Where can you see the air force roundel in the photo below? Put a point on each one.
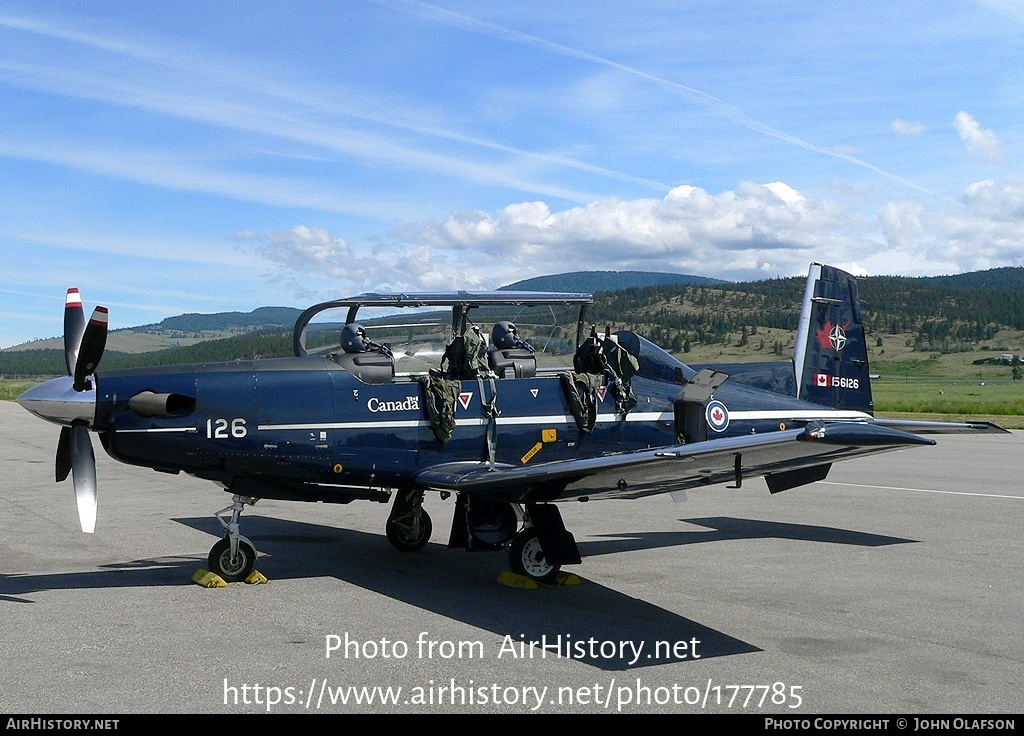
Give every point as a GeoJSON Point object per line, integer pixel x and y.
{"type": "Point", "coordinates": [717, 416]}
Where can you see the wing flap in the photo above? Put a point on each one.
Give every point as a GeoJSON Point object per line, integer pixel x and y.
{"type": "Point", "coordinates": [668, 469]}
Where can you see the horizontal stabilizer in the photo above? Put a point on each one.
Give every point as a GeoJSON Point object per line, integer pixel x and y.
{"type": "Point", "coordinates": [911, 425]}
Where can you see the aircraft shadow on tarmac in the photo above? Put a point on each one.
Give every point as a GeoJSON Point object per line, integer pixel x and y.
{"type": "Point", "coordinates": [725, 528]}
{"type": "Point", "coordinates": [462, 586]}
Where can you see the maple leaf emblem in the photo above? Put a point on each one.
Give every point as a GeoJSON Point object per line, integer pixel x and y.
{"type": "Point", "coordinates": [832, 336]}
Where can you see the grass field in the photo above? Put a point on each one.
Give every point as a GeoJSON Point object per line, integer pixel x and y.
{"type": "Point", "coordinates": [950, 397]}
{"type": "Point", "coordinates": [10, 390]}
{"type": "Point", "coordinates": [947, 400]}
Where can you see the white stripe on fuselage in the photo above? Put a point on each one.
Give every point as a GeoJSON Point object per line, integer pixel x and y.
{"type": "Point", "coordinates": [159, 429]}
{"type": "Point", "coordinates": [549, 419]}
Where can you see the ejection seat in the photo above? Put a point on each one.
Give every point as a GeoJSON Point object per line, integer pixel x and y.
{"type": "Point", "coordinates": [364, 359]}
{"type": "Point", "coordinates": [510, 353]}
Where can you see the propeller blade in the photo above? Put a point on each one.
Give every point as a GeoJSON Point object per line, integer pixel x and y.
{"type": "Point", "coordinates": [83, 464]}
{"type": "Point", "coordinates": [74, 327]}
{"type": "Point", "coordinates": [93, 342]}
{"type": "Point", "coordinates": [63, 464]}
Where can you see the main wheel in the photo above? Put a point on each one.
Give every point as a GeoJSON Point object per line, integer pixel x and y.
{"type": "Point", "coordinates": [232, 570]}
{"type": "Point", "coordinates": [406, 532]}
{"type": "Point", "coordinates": [526, 557]}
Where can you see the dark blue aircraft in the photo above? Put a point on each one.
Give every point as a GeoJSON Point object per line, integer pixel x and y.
{"type": "Point", "coordinates": [385, 408]}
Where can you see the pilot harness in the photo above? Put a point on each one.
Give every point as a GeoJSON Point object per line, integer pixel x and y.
{"type": "Point", "coordinates": [596, 360]}
{"type": "Point", "coordinates": [464, 359]}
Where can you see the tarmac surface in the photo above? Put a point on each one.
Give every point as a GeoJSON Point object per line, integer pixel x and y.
{"type": "Point", "coordinates": [897, 586]}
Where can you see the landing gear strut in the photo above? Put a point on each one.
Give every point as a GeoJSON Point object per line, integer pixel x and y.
{"type": "Point", "coordinates": [233, 557]}
{"type": "Point", "coordinates": [408, 528]}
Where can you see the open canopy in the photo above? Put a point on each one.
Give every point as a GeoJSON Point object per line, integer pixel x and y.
{"type": "Point", "coordinates": [460, 302]}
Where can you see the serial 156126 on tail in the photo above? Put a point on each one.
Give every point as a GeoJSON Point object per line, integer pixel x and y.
{"type": "Point", "coordinates": [390, 396]}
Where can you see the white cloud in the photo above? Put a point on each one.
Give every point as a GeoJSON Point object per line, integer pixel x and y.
{"type": "Point", "coordinates": [981, 141]}
{"type": "Point", "coordinates": [740, 233]}
{"type": "Point", "coordinates": [983, 230]}
{"type": "Point", "coordinates": [785, 192]}
{"type": "Point", "coordinates": [754, 231]}
{"type": "Point", "coordinates": [302, 248]}
{"type": "Point", "coordinates": [907, 127]}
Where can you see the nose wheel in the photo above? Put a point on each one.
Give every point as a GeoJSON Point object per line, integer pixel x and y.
{"type": "Point", "coordinates": [233, 557]}
{"type": "Point", "coordinates": [526, 557]}
{"type": "Point", "coordinates": [233, 568]}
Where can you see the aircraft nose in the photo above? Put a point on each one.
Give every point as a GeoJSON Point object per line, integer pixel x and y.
{"type": "Point", "coordinates": [57, 401]}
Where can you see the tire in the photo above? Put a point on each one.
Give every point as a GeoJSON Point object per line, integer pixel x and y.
{"type": "Point", "coordinates": [232, 571]}
{"type": "Point", "coordinates": [526, 557]}
{"type": "Point", "coordinates": [405, 535]}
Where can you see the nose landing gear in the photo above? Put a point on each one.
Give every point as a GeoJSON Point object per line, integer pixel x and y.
{"type": "Point", "coordinates": [233, 557]}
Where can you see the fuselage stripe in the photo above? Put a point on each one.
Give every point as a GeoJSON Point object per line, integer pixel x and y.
{"type": "Point", "coordinates": [159, 429]}
{"type": "Point", "coordinates": [648, 416]}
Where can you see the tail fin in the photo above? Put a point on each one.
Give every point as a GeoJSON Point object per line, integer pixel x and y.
{"type": "Point", "coordinates": [831, 357]}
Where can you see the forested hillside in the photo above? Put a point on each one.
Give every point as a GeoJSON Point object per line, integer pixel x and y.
{"type": "Point", "coordinates": [262, 344]}
{"type": "Point", "coordinates": [941, 314]}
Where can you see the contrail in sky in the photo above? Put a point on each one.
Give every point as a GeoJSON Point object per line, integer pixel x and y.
{"type": "Point", "coordinates": [240, 75]}
{"type": "Point", "coordinates": [725, 109]}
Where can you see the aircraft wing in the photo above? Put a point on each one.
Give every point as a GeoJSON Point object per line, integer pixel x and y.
{"type": "Point", "coordinates": [788, 459]}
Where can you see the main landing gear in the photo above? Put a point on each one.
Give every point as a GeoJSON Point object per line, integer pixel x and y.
{"type": "Point", "coordinates": [543, 545]}
{"type": "Point", "coordinates": [537, 551]}
{"type": "Point", "coordinates": [233, 557]}
{"type": "Point", "coordinates": [532, 534]}
{"type": "Point", "coordinates": [526, 557]}
{"type": "Point", "coordinates": [408, 527]}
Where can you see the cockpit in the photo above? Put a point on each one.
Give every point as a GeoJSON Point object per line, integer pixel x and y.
{"type": "Point", "coordinates": [381, 338]}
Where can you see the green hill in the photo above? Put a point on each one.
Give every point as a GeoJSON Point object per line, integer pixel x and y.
{"type": "Point", "coordinates": [272, 343]}
{"type": "Point", "coordinates": [260, 318]}
{"type": "Point", "coordinates": [591, 281]}
{"type": "Point", "coordinates": [1006, 278]}
{"type": "Point", "coordinates": [907, 318]}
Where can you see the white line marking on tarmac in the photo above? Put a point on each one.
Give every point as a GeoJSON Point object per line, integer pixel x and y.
{"type": "Point", "coordinates": [921, 490]}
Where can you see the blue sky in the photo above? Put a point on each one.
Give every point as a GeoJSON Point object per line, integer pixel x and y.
{"type": "Point", "coordinates": [217, 156]}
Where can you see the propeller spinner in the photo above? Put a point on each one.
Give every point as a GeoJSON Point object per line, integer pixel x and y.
{"type": "Point", "coordinates": [71, 402]}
